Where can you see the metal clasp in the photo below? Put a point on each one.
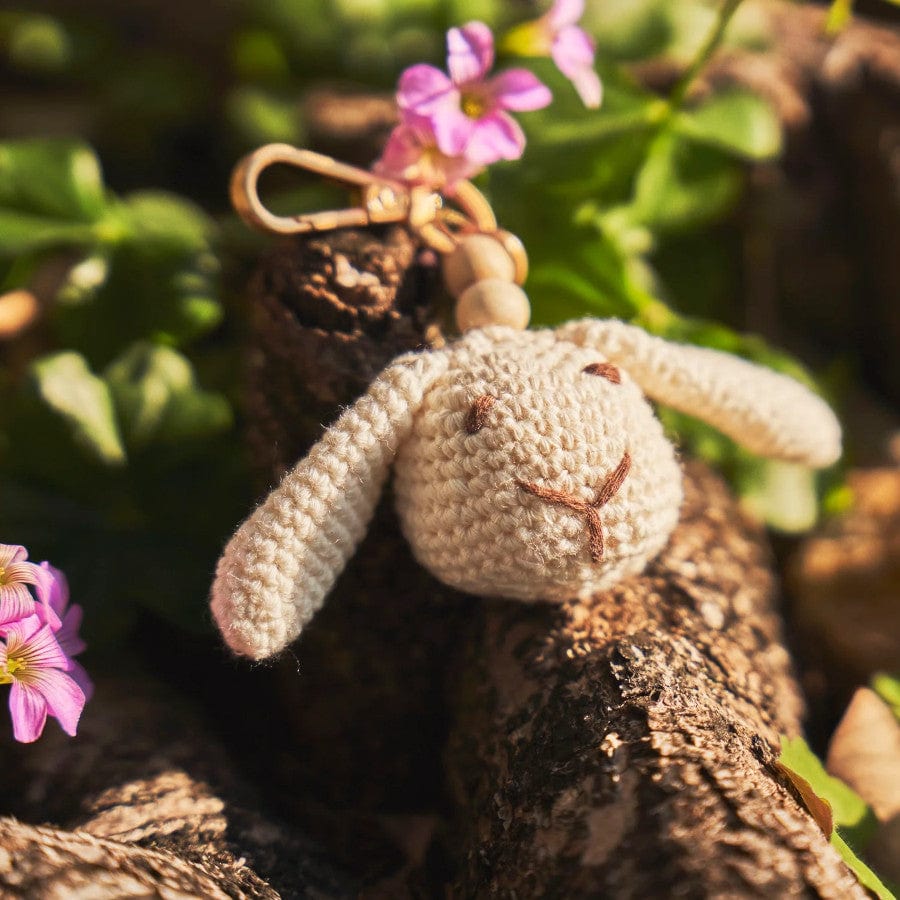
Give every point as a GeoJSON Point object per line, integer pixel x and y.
{"type": "Point", "coordinates": [382, 200]}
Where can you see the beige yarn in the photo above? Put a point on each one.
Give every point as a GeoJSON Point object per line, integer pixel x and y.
{"type": "Point", "coordinates": [278, 567]}
{"type": "Point", "coordinates": [506, 443]}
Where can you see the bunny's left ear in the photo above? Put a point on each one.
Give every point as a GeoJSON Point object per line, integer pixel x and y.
{"type": "Point", "coordinates": [768, 413]}
{"type": "Point", "coordinates": [281, 563]}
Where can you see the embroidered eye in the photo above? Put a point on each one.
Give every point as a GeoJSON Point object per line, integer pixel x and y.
{"type": "Point", "coordinates": [604, 370]}
{"type": "Point", "coordinates": [477, 415]}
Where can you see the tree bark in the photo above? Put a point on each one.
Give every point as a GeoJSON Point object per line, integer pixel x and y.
{"type": "Point", "coordinates": [363, 687]}
{"type": "Point", "coordinates": [145, 803]}
{"type": "Point", "coordinates": [623, 747]}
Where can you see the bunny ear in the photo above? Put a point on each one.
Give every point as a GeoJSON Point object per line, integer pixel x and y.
{"type": "Point", "coordinates": [768, 413]}
{"type": "Point", "coordinates": [278, 567]}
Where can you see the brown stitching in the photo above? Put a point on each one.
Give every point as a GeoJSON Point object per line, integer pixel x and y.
{"type": "Point", "coordinates": [477, 414]}
{"type": "Point", "coordinates": [605, 370]}
{"type": "Point", "coordinates": [589, 510]}
{"type": "Point", "coordinates": [595, 533]}
{"type": "Point", "coordinates": [613, 482]}
{"type": "Point", "coordinates": [553, 496]}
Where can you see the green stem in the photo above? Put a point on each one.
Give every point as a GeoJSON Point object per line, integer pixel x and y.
{"type": "Point", "coordinates": [671, 106]}
{"type": "Point", "coordinates": [710, 45]}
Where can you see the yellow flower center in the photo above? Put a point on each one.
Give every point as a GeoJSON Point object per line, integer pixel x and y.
{"type": "Point", "coordinates": [13, 664]}
{"type": "Point", "coordinates": [472, 105]}
{"type": "Point", "coordinates": [2, 575]}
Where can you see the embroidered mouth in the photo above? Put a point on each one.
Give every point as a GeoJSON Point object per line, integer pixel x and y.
{"type": "Point", "coordinates": [588, 509]}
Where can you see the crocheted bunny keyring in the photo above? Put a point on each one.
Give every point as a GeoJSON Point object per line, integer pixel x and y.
{"type": "Point", "coordinates": [527, 465]}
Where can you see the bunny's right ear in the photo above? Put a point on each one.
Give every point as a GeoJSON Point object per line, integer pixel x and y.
{"type": "Point", "coordinates": [766, 412]}
{"type": "Point", "coordinates": [278, 567]}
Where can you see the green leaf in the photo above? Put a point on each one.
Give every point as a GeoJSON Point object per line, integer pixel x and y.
{"type": "Point", "coordinates": [24, 232]}
{"type": "Point", "coordinates": [851, 813]}
{"type": "Point", "coordinates": [783, 496]}
{"type": "Point", "coordinates": [853, 819]}
{"type": "Point", "coordinates": [738, 122]}
{"type": "Point", "coordinates": [38, 44]}
{"type": "Point", "coordinates": [158, 400]}
{"type": "Point", "coordinates": [888, 688]}
{"type": "Point", "coordinates": [867, 878]}
{"type": "Point", "coordinates": [586, 273]}
{"type": "Point", "coordinates": [260, 117]}
{"type": "Point", "coordinates": [683, 186]}
{"type": "Point", "coordinates": [52, 178]}
{"type": "Point", "coordinates": [158, 282]}
{"type": "Point", "coordinates": [82, 401]}
{"type": "Point", "coordinates": [162, 219]}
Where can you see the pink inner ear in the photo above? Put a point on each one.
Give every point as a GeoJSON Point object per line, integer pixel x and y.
{"type": "Point", "coordinates": [605, 370]}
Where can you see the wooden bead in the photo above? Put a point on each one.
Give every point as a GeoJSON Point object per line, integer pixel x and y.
{"type": "Point", "coordinates": [492, 302]}
{"type": "Point", "coordinates": [477, 257]}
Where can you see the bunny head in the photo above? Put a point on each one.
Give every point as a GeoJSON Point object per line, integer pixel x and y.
{"type": "Point", "coordinates": [528, 465]}
{"type": "Point", "coordinates": [535, 470]}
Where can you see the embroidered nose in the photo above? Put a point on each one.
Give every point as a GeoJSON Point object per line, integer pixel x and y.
{"type": "Point", "coordinates": [608, 490]}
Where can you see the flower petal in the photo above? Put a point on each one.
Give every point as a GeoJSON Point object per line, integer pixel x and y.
{"type": "Point", "coordinates": [497, 136]}
{"type": "Point", "coordinates": [400, 151]}
{"type": "Point", "coordinates": [22, 572]}
{"type": "Point", "coordinates": [470, 52]}
{"type": "Point", "coordinates": [53, 588]}
{"type": "Point", "coordinates": [572, 50]}
{"type": "Point", "coordinates": [410, 154]}
{"type": "Point", "coordinates": [453, 130]}
{"type": "Point", "coordinates": [77, 673]}
{"type": "Point", "coordinates": [15, 603]}
{"type": "Point", "coordinates": [519, 90]}
{"type": "Point", "coordinates": [34, 642]}
{"type": "Point", "coordinates": [53, 594]}
{"type": "Point", "coordinates": [10, 553]}
{"type": "Point", "coordinates": [28, 711]}
{"type": "Point", "coordinates": [21, 631]}
{"type": "Point", "coordinates": [422, 89]}
{"type": "Point", "coordinates": [573, 53]}
{"type": "Point", "coordinates": [67, 634]}
{"type": "Point", "coordinates": [590, 89]}
{"type": "Point", "coordinates": [564, 12]}
{"type": "Point", "coordinates": [64, 699]}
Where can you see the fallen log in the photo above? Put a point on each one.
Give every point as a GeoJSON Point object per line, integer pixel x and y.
{"type": "Point", "coordinates": [145, 803]}
{"type": "Point", "coordinates": [624, 746]}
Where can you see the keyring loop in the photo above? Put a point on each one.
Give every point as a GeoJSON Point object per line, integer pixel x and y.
{"type": "Point", "coordinates": [428, 213]}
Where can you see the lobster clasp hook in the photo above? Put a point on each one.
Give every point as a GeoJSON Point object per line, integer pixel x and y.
{"type": "Point", "coordinates": [381, 199]}
{"type": "Point", "coordinates": [437, 220]}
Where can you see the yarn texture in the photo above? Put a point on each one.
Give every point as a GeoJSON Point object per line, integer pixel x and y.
{"type": "Point", "coordinates": [529, 465]}
{"type": "Point", "coordinates": [459, 495]}
{"type": "Point", "coordinates": [277, 569]}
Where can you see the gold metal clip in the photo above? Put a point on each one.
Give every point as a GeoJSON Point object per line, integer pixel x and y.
{"type": "Point", "coordinates": [382, 200]}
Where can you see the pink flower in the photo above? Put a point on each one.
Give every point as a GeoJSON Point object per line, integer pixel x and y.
{"type": "Point", "coordinates": [555, 34]}
{"type": "Point", "coordinates": [35, 664]}
{"type": "Point", "coordinates": [16, 601]}
{"type": "Point", "coordinates": [411, 154]}
{"type": "Point", "coordinates": [469, 114]}
{"type": "Point", "coordinates": [54, 593]}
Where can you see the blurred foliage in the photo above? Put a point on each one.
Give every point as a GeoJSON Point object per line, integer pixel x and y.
{"type": "Point", "coordinates": [113, 458]}
{"type": "Point", "coordinates": [841, 11]}
{"type": "Point", "coordinates": [888, 688]}
{"type": "Point", "coordinates": [854, 821]}
{"type": "Point", "coordinates": [118, 445]}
